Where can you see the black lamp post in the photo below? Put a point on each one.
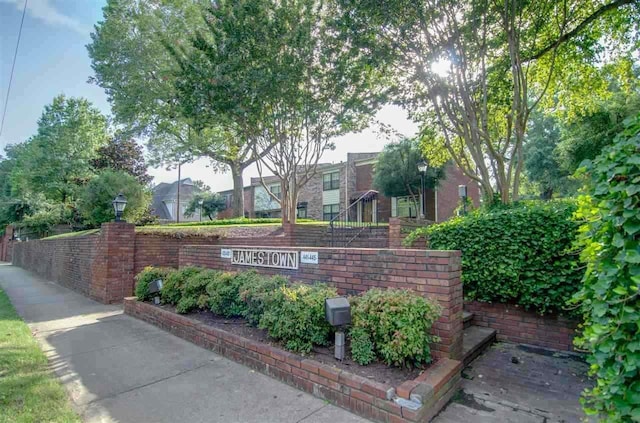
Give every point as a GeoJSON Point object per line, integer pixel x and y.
{"type": "Point", "coordinates": [119, 203]}
{"type": "Point", "coordinates": [422, 168]}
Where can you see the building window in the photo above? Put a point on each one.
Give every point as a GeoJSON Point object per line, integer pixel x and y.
{"type": "Point", "coordinates": [331, 181]}
{"type": "Point", "coordinates": [406, 207]}
{"type": "Point", "coordinates": [228, 200]}
{"type": "Point", "coordinates": [276, 190]}
{"type": "Point", "coordinates": [302, 210]}
{"type": "Point", "coordinates": [330, 211]}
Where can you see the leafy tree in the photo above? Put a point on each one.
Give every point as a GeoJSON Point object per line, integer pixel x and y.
{"type": "Point", "coordinates": [474, 71]}
{"type": "Point", "coordinates": [276, 77]}
{"type": "Point", "coordinates": [125, 155]}
{"type": "Point", "coordinates": [585, 135]}
{"type": "Point", "coordinates": [56, 161]}
{"type": "Point", "coordinates": [212, 203]}
{"type": "Point", "coordinates": [95, 201]}
{"type": "Point", "coordinates": [610, 297]}
{"type": "Point", "coordinates": [129, 57]}
{"type": "Point", "coordinates": [540, 161]}
{"type": "Point", "coordinates": [396, 172]}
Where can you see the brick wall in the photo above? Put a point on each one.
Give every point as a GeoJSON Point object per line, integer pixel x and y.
{"type": "Point", "coordinates": [448, 199]}
{"type": "Point", "coordinates": [514, 324]}
{"type": "Point", "coordinates": [400, 228]}
{"type": "Point", "coordinates": [67, 261]}
{"type": "Point", "coordinates": [373, 400]}
{"type": "Point", "coordinates": [434, 274]}
{"type": "Point", "coordinates": [320, 236]}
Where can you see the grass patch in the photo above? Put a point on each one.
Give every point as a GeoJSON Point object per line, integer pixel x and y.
{"type": "Point", "coordinates": [74, 234]}
{"type": "Point", "coordinates": [28, 391]}
{"type": "Point", "coordinates": [227, 222]}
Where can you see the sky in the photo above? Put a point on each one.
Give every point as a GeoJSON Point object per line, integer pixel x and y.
{"type": "Point", "coordinates": [52, 59]}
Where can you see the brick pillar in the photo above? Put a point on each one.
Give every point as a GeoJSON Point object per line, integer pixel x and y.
{"type": "Point", "coordinates": [450, 295]}
{"type": "Point", "coordinates": [395, 235]}
{"type": "Point", "coordinates": [112, 270]}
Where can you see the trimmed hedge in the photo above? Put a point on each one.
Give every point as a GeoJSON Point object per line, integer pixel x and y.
{"type": "Point", "coordinates": [295, 316]}
{"type": "Point", "coordinates": [171, 291]}
{"type": "Point", "coordinates": [523, 254]}
{"type": "Point", "coordinates": [145, 277]}
{"type": "Point", "coordinates": [195, 291]}
{"type": "Point", "coordinates": [393, 324]}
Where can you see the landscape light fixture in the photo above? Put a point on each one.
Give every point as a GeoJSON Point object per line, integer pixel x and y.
{"type": "Point", "coordinates": [422, 168]}
{"type": "Point", "coordinates": [462, 193]}
{"type": "Point", "coordinates": [337, 311]}
{"type": "Point", "coordinates": [119, 204]}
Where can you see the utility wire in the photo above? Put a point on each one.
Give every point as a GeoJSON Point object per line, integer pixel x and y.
{"type": "Point", "coordinates": [13, 66]}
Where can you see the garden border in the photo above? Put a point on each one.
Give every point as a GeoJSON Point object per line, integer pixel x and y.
{"type": "Point", "coordinates": [414, 400]}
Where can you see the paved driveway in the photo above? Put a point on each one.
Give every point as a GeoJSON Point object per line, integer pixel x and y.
{"type": "Point", "coordinates": [119, 369]}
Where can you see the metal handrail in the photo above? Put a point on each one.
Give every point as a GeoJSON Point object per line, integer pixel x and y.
{"type": "Point", "coordinates": [342, 219]}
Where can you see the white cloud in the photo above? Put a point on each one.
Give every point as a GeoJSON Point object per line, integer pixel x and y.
{"type": "Point", "coordinates": [46, 12]}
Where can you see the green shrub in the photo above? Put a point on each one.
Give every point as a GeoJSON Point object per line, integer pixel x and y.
{"type": "Point", "coordinates": [145, 277]}
{"type": "Point", "coordinates": [256, 293]}
{"type": "Point", "coordinates": [171, 291]}
{"type": "Point", "coordinates": [194, 291]}
{"type": "Point", "coordinates": [398, 324]}
{"type": "Point", "coordinates": [362, 348]}
{"type": "Point", "coordinates": [295, 315]}
{"type": "Point", "coordinates": [610, 296]}
{"type": "Point", "coordinates": [224, 292]}
{"type": "Point", "coordinates": [521, 254]}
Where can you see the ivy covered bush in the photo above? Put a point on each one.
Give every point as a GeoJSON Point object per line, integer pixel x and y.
{"type": "Point", "coordinates": [610, 297]}
{"type": "Point", "coordinates": [394, 325]}
{"type": "Point", "coordinates": [295, 316]}
{"type": "Point", "coordinates": [522, 254]}
{"type": "Point", "coordinates": [145, 277]}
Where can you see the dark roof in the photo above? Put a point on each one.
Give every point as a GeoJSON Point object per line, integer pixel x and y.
{"type": "Point", "coordinates": [164, 191]}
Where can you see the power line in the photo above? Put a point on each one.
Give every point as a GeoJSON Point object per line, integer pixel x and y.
{"type": "Point", "coordinates": [13, 66]}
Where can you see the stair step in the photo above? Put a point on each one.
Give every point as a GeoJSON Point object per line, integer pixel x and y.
{"type": "Point", "coordinates": [467, 317]}
{"type": "Point", "coordinates": [476, 339]}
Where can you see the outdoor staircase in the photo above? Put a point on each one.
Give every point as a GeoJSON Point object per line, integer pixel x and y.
{"type": "Point", "coordinates": [475, 339]}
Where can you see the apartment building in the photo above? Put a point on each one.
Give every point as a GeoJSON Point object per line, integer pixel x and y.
{"type": "Point", "coordinates": [337, 186]}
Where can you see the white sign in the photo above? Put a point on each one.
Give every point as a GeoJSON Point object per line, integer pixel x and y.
{"type": "Point", "coordinates": [264, 258]}
{"type": "Point", "coordinates": [309, 257]}
{"type": "Point", "coordinates": [226, 253]}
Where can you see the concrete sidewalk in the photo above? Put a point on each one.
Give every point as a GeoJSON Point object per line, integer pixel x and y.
{"type": "Point", "coordinates": [119, 369]}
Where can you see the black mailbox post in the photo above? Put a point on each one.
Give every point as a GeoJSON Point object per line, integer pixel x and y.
{"type": "Point", "coordinates": [337, 311]}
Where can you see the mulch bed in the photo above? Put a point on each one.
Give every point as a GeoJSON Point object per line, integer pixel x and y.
{"type": "Point", "coordinates": [376, 371]}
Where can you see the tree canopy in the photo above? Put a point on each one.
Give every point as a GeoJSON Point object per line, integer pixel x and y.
{"type": "Point", "coordinates": [396, 172]}
{"type": "Point", "coordinates": [277, 78]}
{"type": "Point", "coordinates": [473, 72]}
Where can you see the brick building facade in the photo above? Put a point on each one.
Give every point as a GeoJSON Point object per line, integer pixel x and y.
{"type": "Point", "coordinates": [336, 186]}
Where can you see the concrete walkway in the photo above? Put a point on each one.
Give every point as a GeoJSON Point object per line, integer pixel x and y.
{"type": "Point", "coordinates": [119, 369]}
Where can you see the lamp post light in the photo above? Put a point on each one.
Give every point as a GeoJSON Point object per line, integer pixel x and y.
{"type": "Point", "coordinates": [422, 168]}
{"type": "Point", "coordinates": [200, 203]}
{"type": "Point", "coordinates": [119, 203]}
{"type": "Point", "coordinates": [462, 193]}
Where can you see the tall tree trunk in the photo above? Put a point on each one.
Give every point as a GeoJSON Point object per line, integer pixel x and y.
{"type": "Point", "coordinates": [238, 190]}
